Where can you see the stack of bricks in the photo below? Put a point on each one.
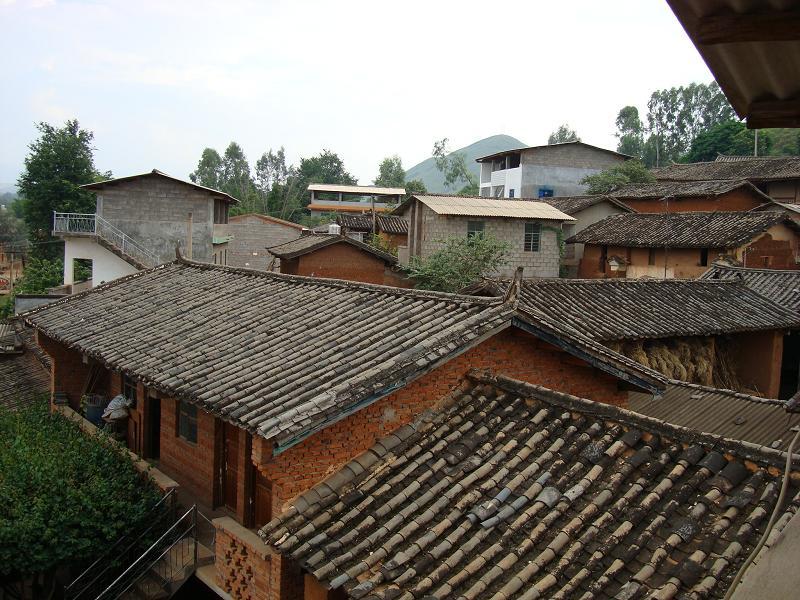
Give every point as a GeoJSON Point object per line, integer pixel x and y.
{"type": "Point", "coordinates": [243, 561]}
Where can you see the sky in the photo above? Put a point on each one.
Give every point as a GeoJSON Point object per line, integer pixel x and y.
{"type": "Point", "coordinates": [158, 81]}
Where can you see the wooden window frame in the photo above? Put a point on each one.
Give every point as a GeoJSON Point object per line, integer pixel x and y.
{"type": "Point", "coordinates": [475, 227]}
{"type": "Point", "coordinates": [183, 415]}
{"type": "Point", "coordinates": [532, 239]}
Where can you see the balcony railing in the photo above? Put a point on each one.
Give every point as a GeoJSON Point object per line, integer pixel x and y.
{"type": "Point", "coordinates": [92, 224]}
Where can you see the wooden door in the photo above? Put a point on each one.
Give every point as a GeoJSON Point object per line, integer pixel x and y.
{"type": "Point", "coordinates": [230, 481]}
{"type": "Point", "coordinates": [152, 431]}
{"type": "Point", "coordinates": [262, 500]}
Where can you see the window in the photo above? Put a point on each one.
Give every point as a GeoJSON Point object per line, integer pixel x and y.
{"type": "Point", "coordinates": [220, 211]}
{"type": "Point", "coordinates": [704, 257]}
{"type": "Point", "coordinates": [511, 192]}
{"type": "Point", "coordinates": [129, 389]}
{"type": "Point", "coordinates": [533, 233]}
{"type": "Point", "coordinates": [475, 228]}
{"type": "Point", "coordinates": [651, 256]}
{"type": "Point", "coordinates": [513, 161]}
{"type": "Point", "coordinates": [187, 421]}
{"type": "Point", "coordinates": [545, 192]}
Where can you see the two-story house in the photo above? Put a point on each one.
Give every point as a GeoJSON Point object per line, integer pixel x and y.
{"type": "Point", "coordinates": [543, 171]}
{"type": "Point", "coordinates": [139, 220]}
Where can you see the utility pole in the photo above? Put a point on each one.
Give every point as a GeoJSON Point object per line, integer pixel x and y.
{"type": "Point", "coordinates": [372, 202]}
{"type": "Point", "coordinates": [755, 145]}
{"type": "Point", "coordinates": [666, 237]}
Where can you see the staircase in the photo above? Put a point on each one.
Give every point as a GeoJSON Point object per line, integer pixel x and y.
{"type": "Point", "coordinates": [107, 235]}
{"type": "Point", "coordinates": [147, 564]}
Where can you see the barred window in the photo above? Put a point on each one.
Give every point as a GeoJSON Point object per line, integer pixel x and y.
{"type": "Point", "coordinates": [533, 234]}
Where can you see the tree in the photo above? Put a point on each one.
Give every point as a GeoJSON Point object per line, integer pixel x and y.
{"type": "Point", "coordinates": [562, 135]}
{"type": "Point", "coordinates": [459, 262]}
{"type": "Point", "coordinates": [65, 496]}
{"type": "Point", "coordinates": [630, 132]}
{"type": "Point", "coordinates": [728, 137]}
{"type": "Point", "coordinates": [677, 115]}
{"type": "Point", "coordinates": [630, 171]}
{"type": "Point", "coordinates": [59, 161]}
{"type": "Point", "coordinates": [236, 179]}
{"type": "Point", "coordinates": [415, 186]}
{"type": "Point", "coordinates": [327, 167]}
{"type": "Point", "coordinates": [453, 165]}
{"type": "Point", "coordinates": [40, 275]}
{"type": "Point", "coordinates": [391, 172]}
{"type": "Point", "coordinates": [12, 229]}
{"type": "Point", "coordinates": [209, 170]}
{"type": "Point", "coordinates": [271, 174]}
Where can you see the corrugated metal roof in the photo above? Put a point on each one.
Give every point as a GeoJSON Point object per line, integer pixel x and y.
{"type": "Point", "coordinates": [721, 412]}
{"type": "Point", "coordinates": [493, 207]}
{"type": "Point", "coordinates": [550, 146]}
{"type": "Point", "coordinates": [366, 190]}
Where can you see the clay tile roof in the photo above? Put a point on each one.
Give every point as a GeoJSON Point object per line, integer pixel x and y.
{"type": "Point", "coordinates": [24, 368]}
{"type": "Point", "coordinates": [729, 167]}
{"type": "Point", "coordinates": [761, 421]}
{"type": "Point", "coordinates": [680, 230]}
{"type": "Point", "coordinates": [619, 309]}
{"type": "Point", "coordinates": [684, 189]}
{"type": "Point", "coordinates": [284, 356]}
{"type": "Point", "coordinates": [384, 223]}
{"type": "Point", "coordinates": [519, 492]}
{"type": "Point", "coordinates": [782, 287]}
{"type": "Point", "coordinates": [571, 205]}
{"type": "Point", "coordinates": [311, 243]}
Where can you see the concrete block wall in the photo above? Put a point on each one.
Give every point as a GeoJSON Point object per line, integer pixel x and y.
{"type": "Point", "coordinates": [543, 263]}
{"type": "Point", "coordinates": [252, 234]}
{"type": "Point", "coordinates": [562, 167]}
{"type": "Point", "coordinates": [155, 212]}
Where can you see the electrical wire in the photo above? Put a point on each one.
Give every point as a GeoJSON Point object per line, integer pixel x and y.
{"type": "Point", "coordinates": [772, 519]}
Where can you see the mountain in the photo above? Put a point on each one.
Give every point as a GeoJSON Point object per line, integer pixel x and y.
{"type": "Point", "coordinates": [433, 178]}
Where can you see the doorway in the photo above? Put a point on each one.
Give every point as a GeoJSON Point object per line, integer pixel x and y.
{"type": "Point", "coordinates": [152, 428]}
{"type": "Point", "coordinates": [230, 465]}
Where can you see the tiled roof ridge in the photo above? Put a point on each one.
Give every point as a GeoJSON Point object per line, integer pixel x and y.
{"type": "Point", "coordinates": [717, 265]}
{"type": "Point", "coordinates": [325, 239]}
{"type": "Point", "coordinates": [741, 449]}
{"type": "Point", "coordinates": [269, 218]}
{"type": "Point", "coordinates": [727, 392]}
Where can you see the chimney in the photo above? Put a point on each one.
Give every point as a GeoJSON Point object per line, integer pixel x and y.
{"type": "Point", "coordinates": [334, 229]}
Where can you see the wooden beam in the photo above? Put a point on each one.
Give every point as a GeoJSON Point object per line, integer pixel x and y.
{"type": "Point", "coordinates": [776, 26]}
{"type": "Point", "coordinates": [774, 113]}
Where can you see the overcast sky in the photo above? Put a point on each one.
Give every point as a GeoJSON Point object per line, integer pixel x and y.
{"type": "Point", "coordinates": [159, 81]}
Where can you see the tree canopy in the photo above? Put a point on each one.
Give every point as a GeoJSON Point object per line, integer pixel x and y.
{"type": "Point", "coordinates": [59, 161]}
{"type": "Point", "coordinates": [453, 165]}
{"type": "Point", "coordinates": [459, 262]}
{"type": "Point", "coordinates": [562, 135]}
{"type": "Point", "coordinates": [630, 171]}
{"type": "Point", "coordinates": [391, 172]}
{"type": "Point", "coordinates": [734, 138]}
{"type": "Point", "coordinates": [630, 132]}
{"type": "Point", "coordinates": [64, 495]}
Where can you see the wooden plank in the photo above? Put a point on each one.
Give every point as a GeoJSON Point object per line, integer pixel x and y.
{"type": "Point", "coordinates": [733, 28]}
{"type": "Point", "coordinates": [774, 113]}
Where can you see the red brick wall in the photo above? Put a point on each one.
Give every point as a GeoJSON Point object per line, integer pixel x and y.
{"type": "Point", "coordinates": [735, 200]}
{"type": "Point", "coordinates": [192, 465]}
{"type": "Point", "coordinates": [769, 253]}
{"type": "Point", "coordinates": [342, 261]}
{"type": "Point", "coordinates": [512, 352]}
{"type": "Point", "coordinates": [68, 373]}
{"type": "Point", "coordinates": [243, 566]}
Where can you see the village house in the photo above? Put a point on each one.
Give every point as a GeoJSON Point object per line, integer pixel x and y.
{"type": "Point", "coordinates": [137, 223]}
{"type": "Point", "coordinates": [338, 256]}
{"type": "Point", "coordinates": [329, 198]}
{"type": "Point", "coordinates": [586, 210]}
{"type": "Point", "coordinates": [24, 368]}
{"type": "Point", "coordinates": [532, 229]}
{"type": "Point", "coordinates": [543, 171]}
{"type": "Point", "coordinates": [717, 333]}
{"type": "Point", "coordinates": [688, 196]}
{"type": "Point", "coordinates": [254, 386]}
{"type": "Point", "coordinates": [778, 177]}
{"type": "Point", "coordinates": [516, 491]}
{"type": "Point", "coordinates": [391, 229]}
{"type": "Point", "coordinates": [252, 233]}
{"type": "Point", "coordinates": [780, 286]}
{"type": "Point", "coordinates": [683, 245]}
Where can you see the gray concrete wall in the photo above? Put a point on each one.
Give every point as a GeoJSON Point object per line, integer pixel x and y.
{"type": "Point", "coordinates": [251, 236]}
{"type": "Point", "coordinates": [544, 263]}
{"type": "Point", "coordinates": [562, 168]}
{"type": "Point", "coordinates": [26, 302]}
{"type": "Point", "coordinates": [155, 212]}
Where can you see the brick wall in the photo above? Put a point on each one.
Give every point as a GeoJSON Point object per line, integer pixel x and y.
{"type": "Point", "coordinates": [682, 263]}
{"type": "Point", "coordinates": [242, 560]}
{"type": "Point", "coordinates": [68, 372]}
{"type": "Point", "coordinates": [543, 263]}
{"type": "Point", "coordinates": [191, 464]}
{"type": "Point", "coordinates": [770, 253]}
{"type": "Point", "coordinates": [512, 352]}
{"type": "Point", "coordinates": [253, 234]}
{"type": "Point", "coordinates": [735, 200]}
{"type": "Point", "coordinates": [343, 261]}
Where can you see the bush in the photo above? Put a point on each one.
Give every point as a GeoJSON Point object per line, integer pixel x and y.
{"type": "Point", "coordinates": [630, 171]}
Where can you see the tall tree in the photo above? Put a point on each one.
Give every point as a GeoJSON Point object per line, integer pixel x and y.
{"type": "Point", "coordinates": [326, 167]}
{"type": "Point", "coordinates": [59, 161]}
{"type": "Point", "coordinates": [562, 135]}
{"type": "Point", "coordinates": [453, 165]}
{"type": "Point", "coordinates": [209, 170]}
{"type": "Point", "coordinates": [271, 174]}
{"type": "Point", "coordinates": [630, 132]}
{"type": "Point", "coordinates": [236, 179]}
{"type": "Point", "coordinates": [728, 137]}
{"type": "Point", "coordinates": [391, 172]}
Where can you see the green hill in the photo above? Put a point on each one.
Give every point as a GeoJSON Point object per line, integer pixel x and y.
{"type": "Point", "coordinates": [434, 180]}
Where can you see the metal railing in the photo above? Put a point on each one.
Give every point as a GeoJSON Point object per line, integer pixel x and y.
{"type": "Point", "coordinates": [97, 576]}
{"type": "Point", "coordinates": [165, 565]}
{"type": "Point", "coordinates": [89, 223]}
